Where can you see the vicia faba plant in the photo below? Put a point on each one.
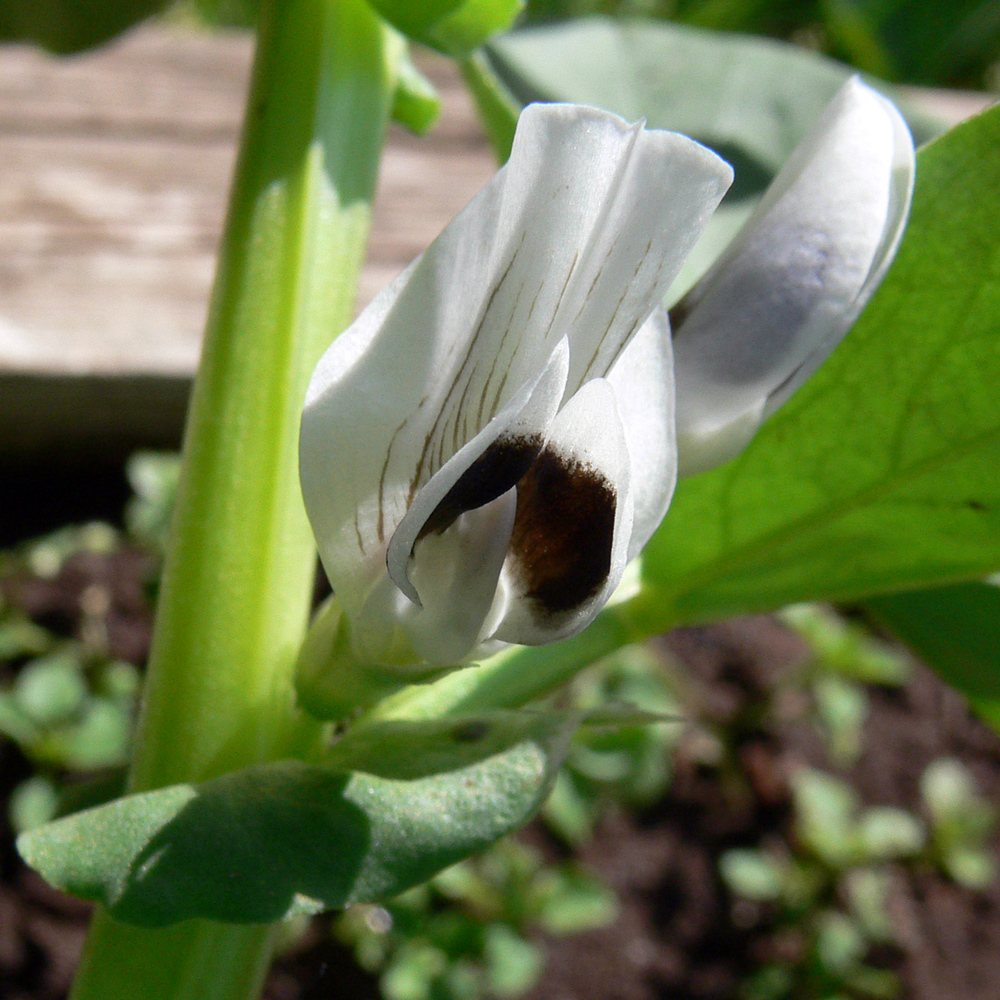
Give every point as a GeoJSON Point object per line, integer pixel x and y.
{"type": "Point", "coordinates": [488, 448]}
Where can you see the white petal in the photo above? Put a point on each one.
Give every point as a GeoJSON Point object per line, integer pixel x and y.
{"type": "Point", "coordinates": [643, 380]}
{"type": "Point", "coordinates": [450, 343]}
{"type": "Point", "coordinates": [456, 574]}
{"type": "Point", "coordinates": [574, 521]}
{"type": "Point", "coordinates": [904, 167]}
{"type": "Point", "coordinates": [483, 469]}
{"type": "Point", "coordinates": [790, 286]}
{"type": "Point", "coordinates": [667, 190]}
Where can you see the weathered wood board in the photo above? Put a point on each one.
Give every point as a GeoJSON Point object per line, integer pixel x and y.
{"type": "Point", "coordinates": [114, 170]}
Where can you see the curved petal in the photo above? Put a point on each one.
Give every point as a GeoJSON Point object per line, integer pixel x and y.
{"type": "Point", "coordinates": [904, 167]}
{"type": "Point", "coordinates": [486, 467]}
{"type": "Point", "coordinates": [643, 380]}
{"type": "Point", "coordinates": [668, 189]}
{"type": "Point", "coordinates": [792, 283]}
{"type": "Point", "coordinates": [459, 334]}
{"type": "Point", "coordinates": [573, 524]}
{"type": "Point", "coordinates": [456, 574]}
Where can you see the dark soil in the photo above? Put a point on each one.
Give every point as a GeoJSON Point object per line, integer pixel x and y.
{"type": "Point", "coordinates": [680, 934]}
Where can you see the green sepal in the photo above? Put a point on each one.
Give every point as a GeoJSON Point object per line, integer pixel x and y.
{"type": "Point", "coordinates": [333, 684]}
{"type": "Point", "coordinates": [454, 27]}
{"type": "Point", "coordinates": [415, 104]}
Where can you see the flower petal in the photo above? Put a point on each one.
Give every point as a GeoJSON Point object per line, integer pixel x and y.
{"type": "Point", "coordinates": [794, 280]}
{"type": "Point", "coordinates": [456, 574]}
{"type": "Point", "coordinates": [667, 190]}
{"type": "Point", "coordinates": [481, 470]}
{"type": "Point", "coordinates": [904, 167]}
{"type": "Point", "coordinates": [643, 380]}
{"type": "Point", "coordinates": [574, 517]}
{"type": "Point", "coordinates": [459, 334]}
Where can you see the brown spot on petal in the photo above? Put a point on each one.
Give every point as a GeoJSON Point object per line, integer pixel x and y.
{"type": "Point", "coordinates": [499, 468]}
{"type": "Point", "coordinates": [563, 531]}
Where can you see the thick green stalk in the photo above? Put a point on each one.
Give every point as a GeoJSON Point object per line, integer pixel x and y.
{"type": "Point", "coordinates": [239, 575]}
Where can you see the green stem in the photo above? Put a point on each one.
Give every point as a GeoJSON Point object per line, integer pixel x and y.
{"type": "Point", "coordinates": [498, 111]}
{"type": "Point", "coordinates": [238, 581]}
{"type": "Point", "coordinates": [519, 675]}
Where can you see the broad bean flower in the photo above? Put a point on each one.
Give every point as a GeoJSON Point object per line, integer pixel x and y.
{"type": "Point", "coordinates": [495, 437]}
{"type": "Point", "coordinates": [491, 441]}
{"type": "Point", "coordinates": [786, 291]}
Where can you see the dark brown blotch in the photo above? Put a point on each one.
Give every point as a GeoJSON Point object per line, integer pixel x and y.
{"type": "Point", "coordinates": [499, 468]}
{"type": "Point", "coordinates": [563, 532]}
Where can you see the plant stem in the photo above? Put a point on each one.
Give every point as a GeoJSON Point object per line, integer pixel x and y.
{"type": "Point", "coordinates": [239, 575]}
{"type": "Point", "coordinates": [517, 676]}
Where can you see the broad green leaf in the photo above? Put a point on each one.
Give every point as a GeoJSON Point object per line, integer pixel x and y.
{"type": "Point", "coordinates": [454, 27]}
{"type": "Point", "coordinates": [955, 630]}
{"type": "Point", "coordinates": [750, 99]}
{"type": "Point", "coordinates": [881, 473]}
{"type": "Point", "coordinates": [71, 25]}
{"type": "Point", "coordinates": [257, 844]}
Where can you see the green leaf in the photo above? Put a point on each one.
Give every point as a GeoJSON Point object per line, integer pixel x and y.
{"type": "Point", "coordinates": [65, 26]}
{"type": "Point", "coordinates": [839, 943]}
{"type": "Point", "coordinates": [22, 637]}
{"type": "Point", "coordinates": [513, 965]}
{"type": "Point", "coordinates": [750, 99]}
{"type": "Point", "coordinates": [454, 27]}
{"type": "Point", "coordinates": [752, 873]}
{"type": "Point", "coordinates": [256, 844]}
{"type": "Point", "coordinates": [33, 803]}
{"type": "Point", "coordinates": [888, 833]}
{"type": "Point", "coordinates": [880, 474]}
{"type": "Point", "coordinates": [50, 690]}
{"type": "Point", "coordinates": [14, 724]}
{"type": "Point", "coordinates": [825, 809]}
{"type": "Point", "coordinates": [577, 902]}
{"type": "Point", "coordinates": [955, 630]}
{"type": "Point", "coordinates": [403, 749]}
{"type": "Point", "coordinates": [229, 13]}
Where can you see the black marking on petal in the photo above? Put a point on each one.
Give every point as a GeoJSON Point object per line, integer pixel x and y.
{"type": "Point", "coordinates": [563, 530]}
{"type": "Point", "coordinates": [499, 468]}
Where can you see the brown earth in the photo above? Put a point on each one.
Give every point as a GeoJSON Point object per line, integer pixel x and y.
{"type": "Point", "coordinates": [680, 934]}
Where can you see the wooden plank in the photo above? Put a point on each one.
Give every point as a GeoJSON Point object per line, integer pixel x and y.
{"type": "Point", "coordinates": [114, 170]}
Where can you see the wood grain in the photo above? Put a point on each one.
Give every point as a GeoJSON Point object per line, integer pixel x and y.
{"type": "Point", "coordinates": [114, 171]}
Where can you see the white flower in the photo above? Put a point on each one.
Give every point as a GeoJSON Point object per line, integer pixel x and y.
{"type": "Point", "coordinates": [490, 442]}
{"type": "Point", "coordinates": [795, 279]}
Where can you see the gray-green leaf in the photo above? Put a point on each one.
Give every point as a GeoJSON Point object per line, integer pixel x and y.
{"type": "Point", "coordinates": [256, 844]}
